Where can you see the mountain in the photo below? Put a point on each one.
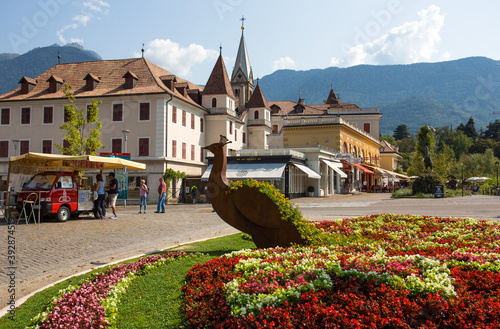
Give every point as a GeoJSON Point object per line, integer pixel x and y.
{"type": "Point", "coordinates": [435, 94]}
{"type": "Point", "coordinates": [13, 66]}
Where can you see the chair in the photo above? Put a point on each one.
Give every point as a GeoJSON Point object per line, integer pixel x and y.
{"type": "Point", "coordinates": [28, 210]}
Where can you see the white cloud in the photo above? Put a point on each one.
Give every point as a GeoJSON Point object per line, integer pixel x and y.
{"type": "Point", "coordinates": [82, 19]}
{"type": "Point", "coordinates": [99, 7]}
{"type": "Point", "coordinates": [412, 42]}
{"type": "Point", "coordinates": [176, 59]}
{"type": "Point", "coordinates": [283, 63]}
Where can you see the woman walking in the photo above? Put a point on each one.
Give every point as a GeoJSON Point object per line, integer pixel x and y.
{"type": "Point", "coordinates": [144, 195]}
{"type": "Point", "coordinates": [99, 203]}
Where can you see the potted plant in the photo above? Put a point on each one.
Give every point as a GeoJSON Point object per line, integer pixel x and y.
{"type": "Point", "coordinates": [310, 191]}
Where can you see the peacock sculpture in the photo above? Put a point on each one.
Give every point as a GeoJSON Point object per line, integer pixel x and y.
{"type": "Point", "coordinates": [247, 209]}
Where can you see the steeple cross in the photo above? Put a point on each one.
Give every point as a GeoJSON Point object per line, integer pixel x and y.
{"type": "Point", "coordinates": [242, 19]}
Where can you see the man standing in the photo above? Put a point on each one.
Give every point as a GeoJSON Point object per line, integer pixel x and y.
{"type": "Point", "coordinates": [113, 193]}
{"type": "Point", "coordinates": [162, 193]}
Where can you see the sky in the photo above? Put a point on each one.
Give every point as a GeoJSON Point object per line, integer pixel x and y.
{"type": "Point", "coordinates": [185, 37]}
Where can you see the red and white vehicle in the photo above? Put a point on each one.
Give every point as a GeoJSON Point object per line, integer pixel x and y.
{"type": "Point", "coordinates": [56, 194]}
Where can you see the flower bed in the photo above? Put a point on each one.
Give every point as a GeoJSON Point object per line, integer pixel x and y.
{"type": "Point", "coordinates": [412, 272]}
{"type": "Point", "coordinates": [93, 304]}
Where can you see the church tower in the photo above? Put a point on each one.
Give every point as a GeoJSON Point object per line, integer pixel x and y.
{"type": "Point", "coordinates": [242, 76]}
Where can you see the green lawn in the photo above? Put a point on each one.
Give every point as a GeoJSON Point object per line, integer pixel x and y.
{"type": "Point", "coordinates": [153, 300]}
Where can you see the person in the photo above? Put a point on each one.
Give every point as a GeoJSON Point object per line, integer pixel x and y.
{"type": "Point", "coordinates": [162, 193]}
{"type": "Point", "coordinates": [194, 189]}
{"type": "Point", "coordinates": [113, 193]}
{"type": "Point", "coordinates": [101, 195]}
{"type": "Point", "coordinates": [143, 194]}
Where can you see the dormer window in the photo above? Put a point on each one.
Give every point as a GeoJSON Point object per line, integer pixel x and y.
{"type": "Point", "coordinates": [182, 88]}
{"type": "Point", "coordinates": [55, 83]}
{"type": "Point", "coordinates": [130, 80]}
{"type": "Point", "coordinates": [214, 102]}
{"type": "Point", "coordinates": [298, 109]}
{"type": "Point", "coordinates": [27, 85]}
{"type": "Point", "coordinates": [169, 81]}
{"type": "Point", "coordinates": [91, 82]}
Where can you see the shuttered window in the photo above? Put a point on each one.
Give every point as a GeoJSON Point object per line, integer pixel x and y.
{"type": "Point", "coordinates": [117, 112]}
{"type": "Point", "coordinates": [5, 119]}
{"type": "Point", "coordinates": [184, 150]}
{"type": "Point", "coordinates": [144, 112]}
{"type": "Point", "coordinates": [25, 115]}
{"type": "Point", "coordinates": [116, 145]}
{"type": "Point", "coordinates": [48, 115]}
{"type": "Point", "coordinates": [174, 149]}
{"type": "Point", "coordinates": [144, 147]}
{"type": "Point", "coordinates": [24, 147]}
{"type": "Point", "coordinates": [47, 146]}
{"type": "Point", "coordinates": [4, 149]}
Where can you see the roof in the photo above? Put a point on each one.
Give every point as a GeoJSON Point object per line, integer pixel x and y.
{"type": "Point", "coordinates": [332, 99]}
{"type": "Point", "coordinates": [110, 74]}
{"type": "Point", "coordinates": [242, 60]}
{"type": "Point", "coordinates": [257, 100]}
{"type": "Point", "coordinates": [218, 83]}
{"type": "Point", "coordinates": [388, 148]}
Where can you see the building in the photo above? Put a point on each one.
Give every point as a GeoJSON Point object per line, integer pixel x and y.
{"type": "Point", "coordinates": [165, 121]}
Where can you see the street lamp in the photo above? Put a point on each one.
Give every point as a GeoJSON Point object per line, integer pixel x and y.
{"type": "Point", "coordinates": [125, 133]}
{"type": "Point", "coordinates": [462, 180]}
{"type": "Point", "coordinates": [497, 163]}
{"type": "Point", "coordinates": [16, 141]}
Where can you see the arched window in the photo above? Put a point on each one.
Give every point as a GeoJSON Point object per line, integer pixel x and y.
{"type": "Point", "coordinates": [345, 149]}
{"type": "Point", "coordinates": [214, 102]}
{"type": "Point", "coordinates": [256, 115]}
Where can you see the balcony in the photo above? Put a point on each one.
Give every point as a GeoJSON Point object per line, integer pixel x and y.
{"type": "Point", "coordinates": [223, 110]}
{"type": "Point", "coordinates": [259, 122]}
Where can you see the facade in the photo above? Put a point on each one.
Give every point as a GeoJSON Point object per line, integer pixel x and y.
{"type": "Point", "coordinates": [165, 121]}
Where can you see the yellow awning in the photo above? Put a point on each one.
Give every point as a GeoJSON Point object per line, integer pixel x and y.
{"type": "Point", "coordinates": [57, 159]}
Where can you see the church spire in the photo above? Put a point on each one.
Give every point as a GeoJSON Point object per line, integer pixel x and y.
{"type": "Point", "coordinates": [242, 60]}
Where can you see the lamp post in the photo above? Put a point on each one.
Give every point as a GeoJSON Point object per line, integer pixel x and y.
{"type": "Point", "coordinates": [125, 134]}
{"type": "Point", "coordinates": [462, 180]}
{"type": "Point", "coordinates": [497, 163]}
{"type": "Point", "coordinates": [16, 142]}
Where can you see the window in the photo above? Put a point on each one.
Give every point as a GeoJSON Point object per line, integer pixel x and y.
{"type": "Point", "coordinates": [4, 149]}
{"type": "Point", "coordinates": [66, 181]}
{"type": "Point", "coordinates": [244, 138]}
{"type": "Point", "coordinates": [201, 124]}
{"type": "Point", "coordinates": [192, 152]}
{"type": "Point", "coordinates": [230, 127]}
{"type": "Point", "coordinates": [183, 150]}
{"type": "Point", "coordinates": [192, 121]}
{"type": "Point", "coordinates": [214, 102]}
{"type": "Point", "coordinates": [144, 112]}
{"type": "Point", "coordinates": [26, 115]}
{"type": "Point", "coordinates": [174, 149]}
{"type": "Point", "coordinates": [48, 115]}
{"type": "Point", "coordinates": [235, 135]}
{"type": "Point", "coordinates": [24, 147]}
{"type": "Point", "coordinates": [144, 147]}
{"type": "Point", "coordinates": [5, 117]}
{"type": "Point", "coordinates": [366, 127]}
{"type": "Point", "coordinates": [183, 118]}
{"type": "Point", "coordinates": [46, 146]}
{"type": "Point", "coordinates": [201, 154]}
{"type": "Point", "coordinates": [256, 115]}
{"type": "Point", "coordinates": [65, 145]}
{"type": "Point", "coordinates": [116, 145]}
{"type": "Point", "coordinates": [117, 112]}
{"type": "Point", "coordinates": [174, 114]}
{"type": "Point", "coordinates": [66, 115]}
{"type": "Point", "coordinates": [275, 129]}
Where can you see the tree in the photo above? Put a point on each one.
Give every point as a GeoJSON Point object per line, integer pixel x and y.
{"type": "Point", "coordinates": [460, 143]}
{"type": "Point", "coordinates": [492, 130]}
{"type": "Point", "coordinates": [401, 132]}
{"type": "Point", "coordinates": [388, 138]}
{"type": "Point", "coordinates": [82, 126]}
{"type": "Point", "coordinates": [469, 129]}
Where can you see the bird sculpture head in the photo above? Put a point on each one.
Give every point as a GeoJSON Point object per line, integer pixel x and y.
{"type": "Point", "coordinates": [216, 148]}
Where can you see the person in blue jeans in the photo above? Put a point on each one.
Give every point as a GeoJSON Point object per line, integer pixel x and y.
{"type": "Point", "coordinates": [143, 194]}
{"type": "Point", "coordinates": [101, 195]}
{"type": "Point", "coordinates": [162, 194]}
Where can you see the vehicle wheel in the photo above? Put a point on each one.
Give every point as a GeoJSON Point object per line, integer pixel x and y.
{"type": "Point", "coordinates": [63, 214]}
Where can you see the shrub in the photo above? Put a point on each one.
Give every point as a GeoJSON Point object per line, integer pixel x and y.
{"type": "Point", "coordinates": [425, 183]}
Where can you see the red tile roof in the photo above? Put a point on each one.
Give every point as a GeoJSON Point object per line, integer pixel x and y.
{"type": "Point", "coordinates": [110, 74]}
{"type": "Point", "coordinates": [257, 99]}
{"type": "Point", "coordinates": [218, 83]}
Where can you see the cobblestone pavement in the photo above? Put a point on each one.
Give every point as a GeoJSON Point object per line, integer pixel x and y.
{"type": "Point", "coordinates": [51, 251]}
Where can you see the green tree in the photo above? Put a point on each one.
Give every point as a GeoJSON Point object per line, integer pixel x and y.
{"type": "Point", "coordinates": [388, 138]}
{"type": "Point", "coordinates": [401, 132]}
{"type": "Point", "coordinates": [460, 143]}
{"type": "Point", "coordinates": [425, 137]}
{"type": "Point", "coordinates": [469, 129]}
{"type": "Point", "coordinates": [82, 126]}
{"type": "Point", "coordinates": [445, 163]}
{"type": "Point", "coordinates": [492, 130]}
